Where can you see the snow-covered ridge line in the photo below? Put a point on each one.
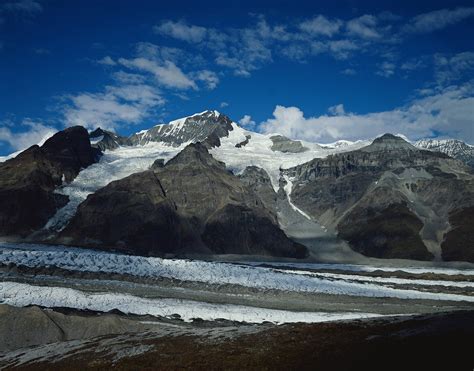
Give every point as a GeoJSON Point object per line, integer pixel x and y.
{"type": "Point", "coordinates": [209, 273]}
{"type": "Point", "coordinates": [20, 295]}
{"type": "Point", "coordinates": [178, 122]}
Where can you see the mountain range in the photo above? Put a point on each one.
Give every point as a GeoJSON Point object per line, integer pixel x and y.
{"type": "Point", "coordinates": [202, 185]}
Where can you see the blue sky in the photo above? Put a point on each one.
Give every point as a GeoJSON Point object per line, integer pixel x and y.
{"type": "Point", "coordinates": [319, 71]}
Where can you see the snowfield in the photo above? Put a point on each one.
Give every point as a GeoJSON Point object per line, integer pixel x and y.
{"type": "Point", "coordinates": [217, 273]}
{"type": "Point", "coordinates": [19, 294]}
{"type": "Point", "coordinates": [258, 152]}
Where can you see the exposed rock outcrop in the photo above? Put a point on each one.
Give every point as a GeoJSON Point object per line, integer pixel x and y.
{"type": "Point", "coordinates": [107, 140]}
{"type": "Point", "coordinates": [284, 144]}
{"type": "Point", "coordinates": [190, 205]}
{"type": "Point", "coordinates": [388, 200]}
{"type": "Point", "coordinates": [28, 181]}
{"type": "Point", "coordinates": [458, 243]}
{"type": "Point", "coordinates": [196, 128]}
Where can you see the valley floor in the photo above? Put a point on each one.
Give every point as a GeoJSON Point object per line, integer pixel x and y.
{"type": "Point", "coordinates": [97, 308]}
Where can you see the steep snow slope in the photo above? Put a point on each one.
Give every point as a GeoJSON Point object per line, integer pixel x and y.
{"type": "Point", "coordinates": [113, 165]}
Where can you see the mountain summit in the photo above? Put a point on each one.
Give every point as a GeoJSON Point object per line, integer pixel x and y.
{"type": "Point", "coordinates": [195, 128]}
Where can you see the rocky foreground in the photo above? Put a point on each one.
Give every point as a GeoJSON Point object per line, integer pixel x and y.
{"type": "Point", "coordinates": [86, 340]}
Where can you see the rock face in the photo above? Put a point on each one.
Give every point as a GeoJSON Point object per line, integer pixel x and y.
{"type": "Point", "coordinates": [196, 128]}
{"type": "Point", "coordinates": [452, 147]}
{"type": "Point", "coordinates": [389, 199]}
{"type": "Point", "coordinates": [107, 140]}
{"type": "Point", "coordinates": [284, 144]}
{"type": "Point", "coordinates": [258, 180]}
{"type": "Point", "coordinates": [190, 205]}
{"type": "Point", "coordinates": [28, 181]}
{"type": "Point", "coordinates": [458, 243]}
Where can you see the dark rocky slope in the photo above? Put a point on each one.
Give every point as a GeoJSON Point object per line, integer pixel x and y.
{"type": "Point", "coordinates": [389, 199]}
{"type": "Point", "coordinates": [28, 181]}
{"type": "Point", "coordinates": [190, 205]}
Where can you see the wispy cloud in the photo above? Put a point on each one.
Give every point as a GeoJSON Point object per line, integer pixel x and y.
{"type": "Point", "coordinates": [364, 26]}
{"type": "Point", "coordinates": [437, 20]}
{"type": "Point", "coordinates": [23, 6]}
{"type": "Point", "coordinates": [386, 69]}
{"type": "Point", "coordinates": [165, 73]}
{"type": "Point", "coordinates": [181, 31]}
{"type": "Point", "coordinates": [450, 69]}
{"type": "Point", "coordinates": [320, 25]}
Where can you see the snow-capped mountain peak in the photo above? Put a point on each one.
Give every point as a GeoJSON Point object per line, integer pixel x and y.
{"type": "Point", "coordinates": [194, 128]}
{"type": "Point", "coordinates": [452, 147]}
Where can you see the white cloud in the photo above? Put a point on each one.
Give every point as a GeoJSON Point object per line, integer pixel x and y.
{"type": "Point", "coordinates": [117, 105]}
{"type": "Point", "coordinates": [166, 73]}
{"type": "Point", "coordinates": [181, 31]}
{"type": "Point", "coordinates": [337, 110]}
{"type": "Point", "coordinates": [321, 25]}
{"type": "Point", "coordinates": [412, 65]}
{"type": "Point", "coordinates": [128, 78]}
{"type": "Point", "coordinates": [107, 61]}
{"type": "Point", "coordinates": [32, 133]}
{"type": "Point", "coordinates": [437, 20]}
{"type": "Point", "coordinates": [208, 77]}
{"type": "Point", "coordinates": [449, 69]}
{"type": "Point", "coordinates": [247, 122]}
{"type": "Point", "coordinates": [386, 69]}
{"type": "Point", "coordinates": [342, 49]}
{"type": "Point", "coordinates": [449, 113]}
{"type": "Point", "coordinates": [364, 27]}
{"type": "Point", "coordinates": [224, 104]}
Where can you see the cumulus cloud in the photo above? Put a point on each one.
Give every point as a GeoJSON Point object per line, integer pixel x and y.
{"type": "Point", "coordinates": [320, 25]}
{"type": "Point", "coordinates": [448, 112]}
{"type": "Point", "coordinates": [30, 133]}
{"type": "Point", "coordinates": [437, 20]}
{"type": "Point", "coordinates": [247, 122]}
{"type": "Point", "coordinates": [181, 31]}
{"type": "Point", "coordinates": [337, 110]}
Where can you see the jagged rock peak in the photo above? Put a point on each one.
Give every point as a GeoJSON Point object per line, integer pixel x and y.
{"type": "Point", "coordinates": [194, 128]}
